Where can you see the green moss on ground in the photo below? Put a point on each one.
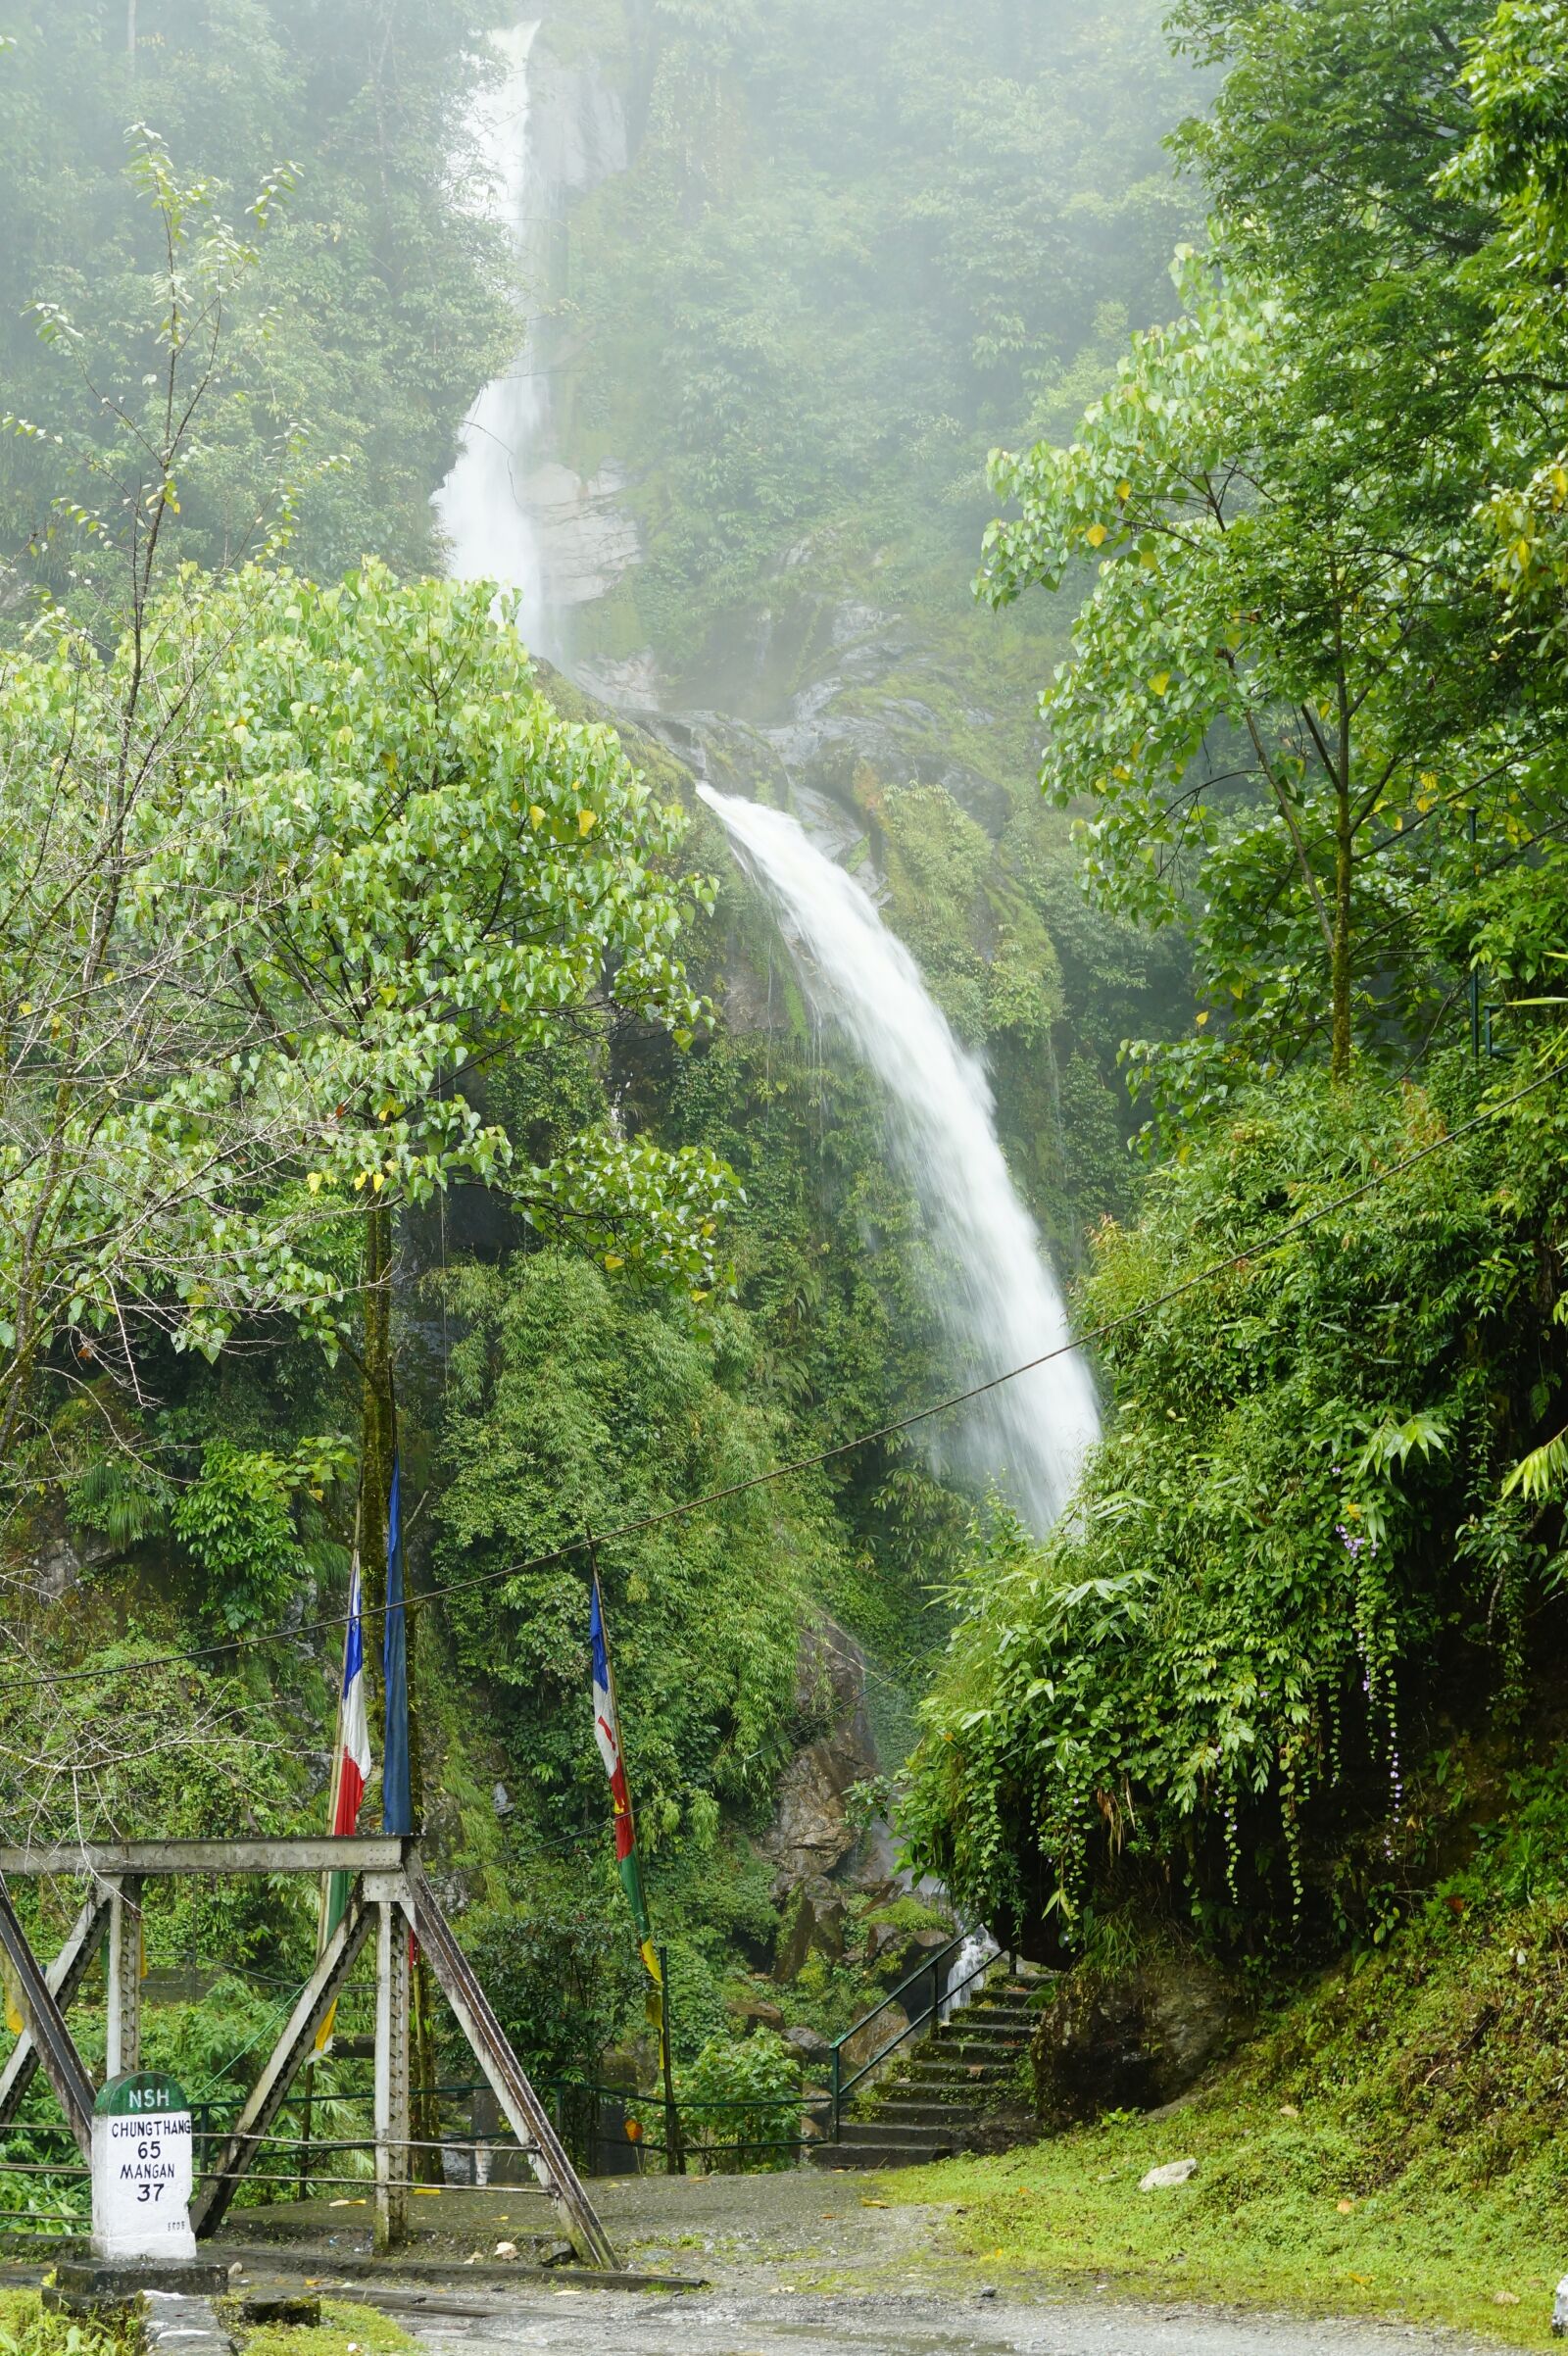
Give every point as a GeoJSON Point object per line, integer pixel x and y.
{"type": "Point", "coordinates": [348, 2327]}
{"type": "Point", "coordinates": [1389, 2144]}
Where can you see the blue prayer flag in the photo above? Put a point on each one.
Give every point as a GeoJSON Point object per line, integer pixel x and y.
{"type": "Point", "coordinates": [397, 1796]}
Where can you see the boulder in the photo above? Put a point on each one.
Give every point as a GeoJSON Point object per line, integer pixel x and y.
{"type": "Point", "coordinates": [810, 1834]}
{"type": "Point", "coordinates": [754, 2011]}
{"type": "Point", "coordinates": [867, 2042]}
{"type": "Point", "coordinates": [810, 2043]}
{"type": "Point", "coordinates": [814, 1925]}
{"type": "Point", "coordinates": [1163, 2179]}
{"type": "Point", "coordinates": [1130, 2041]}
{"type": "Point", "coordinates": [894, 1952]}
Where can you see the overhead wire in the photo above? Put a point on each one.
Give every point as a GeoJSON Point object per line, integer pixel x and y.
{"type": "Point", "coordinates": [796, 1465]}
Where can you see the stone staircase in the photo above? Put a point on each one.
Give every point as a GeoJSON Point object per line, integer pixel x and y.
{"type": "Point", "coordinates": [944, 2097]}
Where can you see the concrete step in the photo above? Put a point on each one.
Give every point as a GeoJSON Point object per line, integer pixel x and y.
{"type": "Point", "coordinates": [961, 2092]}
{"type": "Point", "coordinates": [957, 2074]}
{"type": "Point", "coordinates": [847, 2154]}
{"type": "Point", "coordinates": [923, 2113]}
{"type": "Point", "coordinates": [1012, 2035]}
{"type": "Point", "coordinates": [886, 2131]}
{"type": "Point", "coordinates": [980, 2048]}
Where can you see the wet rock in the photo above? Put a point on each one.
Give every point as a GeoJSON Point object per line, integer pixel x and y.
{"type": "Point", "coordinates": [292, 2307]}
{"type": "Point", "coordinates": [813, 1926]}
{"type": "Point", "coordinates": [58, 1554]}
{"type": "Point", "coordinates": [55, 1568]}
{"type": "Point", "coordinates": [754, 2011]}
{"type": "Point", "coordinates": [894, 1952]}
{"type": "Point", "coordinates": [867, 2042]}
{"type": "Point", "coordinates": [588, 538]}
{"type": "Point", "coordinates": [1129, 2041]}
{"type": "Point", "coordinates": [1174, 2171]}
{"type": "Point", "coordinates": [810, 1833]}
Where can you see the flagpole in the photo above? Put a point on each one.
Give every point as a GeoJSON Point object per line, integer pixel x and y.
{"type": "Point", "coordinates": [655, 1963]}
{"type": "Point", "coordinates": [675, 2142]}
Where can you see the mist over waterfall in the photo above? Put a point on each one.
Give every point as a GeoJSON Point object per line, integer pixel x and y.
{"type": "Point", "coordinates": [511, 510]}
{"type": "Point", "coordinates": [513, 513]}
{"type": "Point", "coordinates": [492, 529]}
{"type": "Point", "coordinates": [997, 1296]}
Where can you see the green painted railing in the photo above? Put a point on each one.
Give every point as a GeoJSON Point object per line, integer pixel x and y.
{"type": "Point", "coordinates": [927, 1978]}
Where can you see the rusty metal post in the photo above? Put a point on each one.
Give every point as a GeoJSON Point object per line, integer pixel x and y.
{"type": "Point", "coordinates": [392, 2054]}
{"type": "Point", "coordinates": [122, 1993]}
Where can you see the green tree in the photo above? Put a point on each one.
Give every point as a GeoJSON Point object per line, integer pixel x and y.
{"type": "Point", "coordinates": [388, 298]}
{"type": "Point", "coordinates": [142, 1142]}
{"type": "Point", "coordinates": [411, 866]}
{"type": "Point", "coordinates": [1279, 674]}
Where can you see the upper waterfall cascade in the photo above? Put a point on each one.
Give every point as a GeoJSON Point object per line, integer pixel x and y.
{"type": "Point", "coordinates": [492, 531]}
{"type": "Point", "coordinates": [511, 510]}
{"type": "Point", "coordinates": [995, 1291]}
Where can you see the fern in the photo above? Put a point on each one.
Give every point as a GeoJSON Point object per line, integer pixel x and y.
{"type": "Point", "coordinates": [125, 1499]}
{"type": "Point", "coordinates": [1541, 1475]}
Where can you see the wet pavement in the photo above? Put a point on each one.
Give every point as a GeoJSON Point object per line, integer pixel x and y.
{"type": "Point", "coordinates": [801, 2262]}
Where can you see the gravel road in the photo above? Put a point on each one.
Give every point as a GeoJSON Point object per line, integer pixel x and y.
{"type": "Point", "coordinates": [806, 2262]}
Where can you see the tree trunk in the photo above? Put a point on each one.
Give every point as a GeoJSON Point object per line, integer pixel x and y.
{"type": "Point", "coordinates": [1344, 865]}
{"type": "Point", "coordinates": [377, 1443]}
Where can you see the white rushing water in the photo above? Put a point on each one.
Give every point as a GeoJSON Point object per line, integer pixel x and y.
{"type": "Point", "coordinates": [997, 1296]}
{"type": "Point", "coordinates": [511, 513]}
{"type": "Point", "coordinates": [482, 505]}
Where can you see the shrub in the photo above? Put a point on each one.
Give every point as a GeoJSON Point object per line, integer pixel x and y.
{"type": "Point", "coordinates": [753, 2084]}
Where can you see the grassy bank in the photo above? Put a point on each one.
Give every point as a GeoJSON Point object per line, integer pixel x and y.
{"type": "Point", "coordinates": [1393, 2141]}
{"type": "Point", "coordinates": [348, 2327]}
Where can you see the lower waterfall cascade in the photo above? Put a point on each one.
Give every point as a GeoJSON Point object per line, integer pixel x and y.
{"type": "Point", "coordinates": [996, 1294]}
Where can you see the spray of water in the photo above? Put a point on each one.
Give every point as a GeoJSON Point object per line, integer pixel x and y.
{"type": "Point", "coordinates": [484, 506]}
{"type": "Point", "coordinates": [997, 1297]}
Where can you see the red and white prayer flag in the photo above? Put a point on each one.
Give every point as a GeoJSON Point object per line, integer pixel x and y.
{"type": "Point", "coordinates": [353, 1771]}
{"type": "Point", "coordinates": [350, 1772]}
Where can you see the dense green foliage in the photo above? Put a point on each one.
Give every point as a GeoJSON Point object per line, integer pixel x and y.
{"type": "Point", "coordinates": [571, 1408]}
{"type": "Point", "coordinates": [1293, 1544]}
{"type": "Point", "coordinates": [384, 306]}
{"type": "Point", "coordinates": [1311, 715]}
{"type": "Point", "coordinates": [356, 990]}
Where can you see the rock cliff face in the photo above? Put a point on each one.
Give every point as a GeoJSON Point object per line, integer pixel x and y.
{"type": "Point", "coordinates": [811, 1836]}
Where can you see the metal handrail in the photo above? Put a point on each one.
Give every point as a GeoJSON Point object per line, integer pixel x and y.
{"type": "Point", "coordinates": [843, 2087]}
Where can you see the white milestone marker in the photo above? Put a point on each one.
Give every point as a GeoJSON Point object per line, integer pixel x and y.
{"type": "Point", "coordinates": [141, 2168]}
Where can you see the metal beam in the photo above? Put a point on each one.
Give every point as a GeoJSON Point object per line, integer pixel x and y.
{"type": "Point", "coordinates": [530, 2121]}
{"type": "Point", "coordinates": [61, 2061]}
{"type": "Point", "coordinates": [358, 1852]}
{"type": "Point", "coordinates": [123, 1993]}
{"type": "Point", "coordinates": [62, 1979]}
{"type": "Point", "coordinates": [270, 2090]}
{"type": "Point", "coordinates": [391, 2076]}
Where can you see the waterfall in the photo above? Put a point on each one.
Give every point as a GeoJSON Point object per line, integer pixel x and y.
{"type": "Point", "coordinates": [997, 1296]}
{"type": "Point", "coordinates": [482, 505]}
{"type": "Point", "coordinates": [511, 513]}
{"type": "Point", "coordinates": [511, 510]}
